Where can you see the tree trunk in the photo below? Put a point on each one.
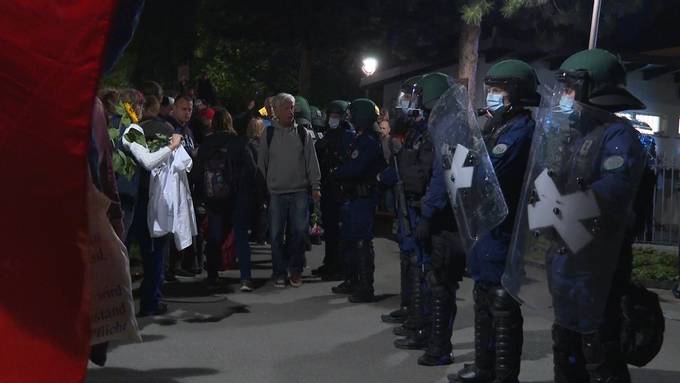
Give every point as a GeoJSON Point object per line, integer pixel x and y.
{"type": "Point", "coordinates": [305, 78]}
{"type": "Point", "coordinates": [468, 56]}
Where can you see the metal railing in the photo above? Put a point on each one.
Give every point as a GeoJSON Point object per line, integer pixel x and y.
{"type": "Point", "coordinates": [663, 225]}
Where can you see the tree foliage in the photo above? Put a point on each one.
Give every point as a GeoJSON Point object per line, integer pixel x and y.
{"type": "Point", "coordinates": [249, 47]}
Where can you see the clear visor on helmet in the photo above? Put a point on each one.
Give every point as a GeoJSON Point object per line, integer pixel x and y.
{"type": "Point", "coordinates": [569, 90]}
{"type": "Point", "coordinates": [409, 103]}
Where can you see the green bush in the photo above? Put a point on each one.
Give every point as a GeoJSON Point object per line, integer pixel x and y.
{"type": "Point", "coordinates": [650, 264]}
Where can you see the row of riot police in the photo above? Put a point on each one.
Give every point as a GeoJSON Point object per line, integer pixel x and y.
{"type": "Point", "coordinates": [350, 156]}
{"type": "Point", "coordinates": [537, 207]}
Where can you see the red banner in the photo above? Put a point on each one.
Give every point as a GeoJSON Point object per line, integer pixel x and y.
{"type": "Point", "coordinates": [50, 59]}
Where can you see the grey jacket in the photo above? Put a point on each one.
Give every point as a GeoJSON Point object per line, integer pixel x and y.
{"type": "Point", "coordinates": [286, 165]}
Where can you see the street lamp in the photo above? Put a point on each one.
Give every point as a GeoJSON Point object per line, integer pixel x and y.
{"type": "Point", "coordinates": [369, 65]}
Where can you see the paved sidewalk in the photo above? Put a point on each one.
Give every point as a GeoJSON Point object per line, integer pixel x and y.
{"type": "Point", "coordinates": [307, 334]}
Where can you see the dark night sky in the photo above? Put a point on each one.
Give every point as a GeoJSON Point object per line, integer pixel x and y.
{"type": "Point", "coordinates": [271, 35]}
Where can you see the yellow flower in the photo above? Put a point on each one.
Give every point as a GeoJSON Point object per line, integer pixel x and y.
{"type": "Point", "coordinates": [131, 112]}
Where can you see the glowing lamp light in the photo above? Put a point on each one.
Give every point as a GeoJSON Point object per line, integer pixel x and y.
{"type": "Point", "coordinates": [369, 66]}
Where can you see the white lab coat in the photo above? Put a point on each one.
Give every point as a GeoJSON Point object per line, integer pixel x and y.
{"type": "Point", "coordinates": [171, 209]}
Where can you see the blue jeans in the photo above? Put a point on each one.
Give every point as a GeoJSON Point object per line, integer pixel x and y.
{"type": "Point", "coordinates": [242, 222]}
{"type": "Point", "coordinates": [290, 211]}
{"type": "Point", "coordinates": [154, 251]}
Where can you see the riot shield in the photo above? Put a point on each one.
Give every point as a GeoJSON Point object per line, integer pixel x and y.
{"type": "Point", "coordinates": [576, 203]}
{"type": "Point", "coordinates": [471, 182]}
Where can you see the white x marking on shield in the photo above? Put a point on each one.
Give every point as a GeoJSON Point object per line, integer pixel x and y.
{"type": "Point", "coordinates": [563, 212]}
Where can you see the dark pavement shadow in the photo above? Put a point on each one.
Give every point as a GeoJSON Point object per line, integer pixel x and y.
{"type": "Point", "coordinates": [652, 375]}
{"type": "Point", "coordinates": [382, 297]}
{"type": "Point", "coordinates": [145, 338]}
{"type": "Point", "coordinates": [161, 375]}
{"type": "Point", "coordinates": [535, 347]}
{"type": "Point", "coordinates": [351, 364]}
{"type": "Point", "coordinates": [643, 375]}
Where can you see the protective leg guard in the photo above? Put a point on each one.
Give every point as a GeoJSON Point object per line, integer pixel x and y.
{"type": "Point", "coordinates": [439, 347]}
{"type": "Point", "coordinates": [363, 293]}
{"type": "Point", "coordinates": [604, 360]}
{"type": "Point", "coordinates": [399, 315]}
{"type": "Point", "coordinates": [508, 323]}
{"type": "Point", "coordinates": [482, 371]}
{"type": "Point", "coordinates": [569, 365]}
{"type": "Point", "coordinates": [414, 320]}
{"type": "Point", "coordinates": [348, 251]}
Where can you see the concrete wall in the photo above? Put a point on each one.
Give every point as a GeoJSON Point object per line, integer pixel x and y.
{"type": "Point", "coordinates": [661, 95]}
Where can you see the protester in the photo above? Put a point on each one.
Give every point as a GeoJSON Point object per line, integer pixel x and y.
{"type": "Point", "coordinates": [167, 104]}
{"type": "Point", "coordinates": [152, 88]}
{"type": "Point", "coordinates": [258, 227]}
{"type": "Point", "coordinates": [110, 98]}
{"type": "Point", "coordinates": [288, 160]}
{"type": "Point", "coordinates": [128, 110]}
{"type": "Point", "coordinates": [153, 250]}
{"type": "Point", "coordinates": [152, 107]}
{"type": "Point", "coordinates": [182, 109]}
{"type": "Point", "coordinates": [205, 89]}
{"type": "Point", "coordinates": [223, 168]}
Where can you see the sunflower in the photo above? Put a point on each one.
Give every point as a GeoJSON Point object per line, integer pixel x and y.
{"type": "Point", "coordinates": [131, 112]}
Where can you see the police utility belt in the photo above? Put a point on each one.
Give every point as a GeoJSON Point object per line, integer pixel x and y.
{"type": "Point", "coordinates": [355, 191]}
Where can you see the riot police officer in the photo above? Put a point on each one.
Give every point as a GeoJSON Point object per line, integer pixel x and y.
{"type": "Point", "coordinates": [586, 166]}
{"type": "Point", "coordinates": [437, 230]}
{"type": "Point", "coordinates": [303, 116]}
{"type": "Point", "coordinates": [410, 173]}
{"type": "Point", "coordinates": [510, 86]}
{"type": "Point", "coordinates": [318, 120]}
{"type": "Point", "coordinates": [357, 177]}
{"type": "Point", "coordinates": [331, 152]}
{"type": "Point", "coordinates": [398, 128]}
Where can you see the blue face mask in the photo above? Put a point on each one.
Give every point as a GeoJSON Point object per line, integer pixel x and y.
{"type": "Point", "coordinates": [494, 101]}
{"type": "Point", "coordinates": [333, 122]}
{"type": "Point", "coordinates": [566, 105]}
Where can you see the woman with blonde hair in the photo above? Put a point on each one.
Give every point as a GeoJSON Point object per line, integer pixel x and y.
{"type": "Point", "coordinates": [254, 131]}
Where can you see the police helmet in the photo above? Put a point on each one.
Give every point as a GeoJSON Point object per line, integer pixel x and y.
{"type": "Point", "coordinates": [318, 117]}
{"type": "Point", "coordinates": [599, 79]}
{"type": "Point", "coordinates": [517, 78]}
{"type": "Point", "coordinates": [363, 113]}
{"type": "Point", "coordinates": [434, 85]}
{"type": "Point", "coordinates": [337, 106]}
{"type": "Point", "coordinates": [302, 110]}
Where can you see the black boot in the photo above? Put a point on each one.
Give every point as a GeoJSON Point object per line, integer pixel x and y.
{"type": "Point", "coordinates": [482, 371]}
{"type": "Point", "coordinates": [344, 288]}
{"type": "Point", "coordinates": [439, 349]}
{"type": "Point", "coordinates": [416, 341]}
{"type": "Point", "coordinates": [568, 363]}
{"type": "Point", "coordinates": [348, 251]}
{"type": "Point", "coordinates": [605, 362]}
{"type": "Point", "coordinates": [415, 320]}
{"type": "Point", "coordinates": [363, 293]}
{"type": "Point", "coordinates": [399, 315]}
{"type": "Point", "coordinates": [509, 337]}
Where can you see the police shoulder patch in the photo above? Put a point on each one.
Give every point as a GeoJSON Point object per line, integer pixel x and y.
{"type": "Point", "coordinates": [499, 150]}
{"type": "Point", "coordinates": [355, 154]}
{"type": "Point", "coordinates": [613, 162]}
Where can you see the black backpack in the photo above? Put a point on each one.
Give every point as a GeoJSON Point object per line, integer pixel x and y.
{"type": "Point", "coordinates": [218, 175]}
{"type": "Point", "coordinates": [643, 325]}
